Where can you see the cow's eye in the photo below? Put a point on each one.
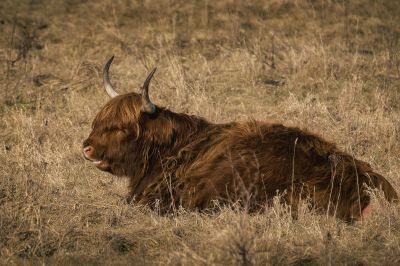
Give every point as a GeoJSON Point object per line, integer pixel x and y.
{"type": "Point", "coordinates": [119, 132]}
{"type": "Point", "coordinates": [112, 129]}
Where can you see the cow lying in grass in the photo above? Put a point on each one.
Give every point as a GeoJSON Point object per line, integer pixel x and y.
{"type": "Point", "coordinates": [174, 159]}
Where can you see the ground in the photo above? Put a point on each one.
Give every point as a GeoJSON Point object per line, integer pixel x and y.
{"type": "Point", "coordinates": [332, 67]}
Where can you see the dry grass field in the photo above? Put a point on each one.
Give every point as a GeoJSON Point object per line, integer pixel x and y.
{"type": "Point", "coordinates": [332, 67]}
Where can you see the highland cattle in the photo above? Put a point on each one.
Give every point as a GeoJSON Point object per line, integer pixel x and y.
{"type": "Point", "coordinates": [175, 159]}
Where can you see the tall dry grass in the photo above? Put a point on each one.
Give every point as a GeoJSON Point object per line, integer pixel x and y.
{"type": "Point", "coordinates": [332, 67]}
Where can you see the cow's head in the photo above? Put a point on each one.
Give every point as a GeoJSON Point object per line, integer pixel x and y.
{"type": "Point", "coordinates": [116, 141]}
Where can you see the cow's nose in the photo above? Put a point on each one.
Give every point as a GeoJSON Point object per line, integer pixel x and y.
{"type": "Point", "coordinates": [87, 151]}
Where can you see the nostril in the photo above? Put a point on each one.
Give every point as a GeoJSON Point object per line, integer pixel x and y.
{"type": "Point", "coordinates": [87, 150]}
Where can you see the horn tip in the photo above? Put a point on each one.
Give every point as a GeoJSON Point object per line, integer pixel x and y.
{"type": "Point", "coordinates": [108, 64]}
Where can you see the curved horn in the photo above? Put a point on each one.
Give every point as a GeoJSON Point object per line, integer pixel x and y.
{"type": "Point", "coordinates": [106, 79]}
{"type": "Point", "coordinates": [147, 105]}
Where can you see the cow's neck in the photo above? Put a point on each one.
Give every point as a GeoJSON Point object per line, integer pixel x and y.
{"type": "Point", "coordinates": [185, 129]}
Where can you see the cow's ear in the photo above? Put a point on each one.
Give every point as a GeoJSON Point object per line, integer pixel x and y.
{"type": "Point", "coordinates": [157, 128]}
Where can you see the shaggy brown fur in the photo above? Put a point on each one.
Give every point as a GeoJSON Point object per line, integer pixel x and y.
{"type": "Point", "coordinates": [180, 160]}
